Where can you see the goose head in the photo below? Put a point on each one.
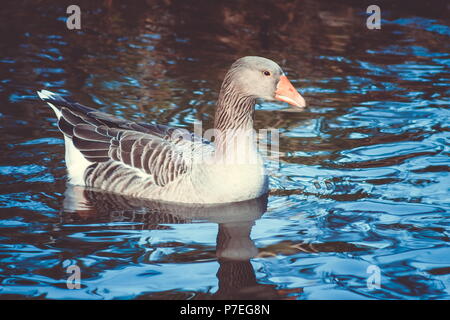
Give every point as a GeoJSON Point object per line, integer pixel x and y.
{"type": "Point", "coordinates": [261, 78]}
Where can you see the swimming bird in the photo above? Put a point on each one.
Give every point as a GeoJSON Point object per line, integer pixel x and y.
{"type": "Point", "coordinates": [160, 162]}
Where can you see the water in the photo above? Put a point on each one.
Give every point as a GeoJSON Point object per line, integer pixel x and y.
{"type": "Point", "coordinates": [363, 178]}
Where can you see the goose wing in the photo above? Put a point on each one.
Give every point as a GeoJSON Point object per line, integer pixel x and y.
{"type": "Point", "coordinates": [162, 153]}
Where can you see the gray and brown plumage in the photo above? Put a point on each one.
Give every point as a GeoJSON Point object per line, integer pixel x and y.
{"type": "Point", "coordinates": [164, 163]}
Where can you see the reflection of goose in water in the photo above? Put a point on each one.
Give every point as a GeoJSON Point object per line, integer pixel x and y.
{"type": "Point", "coordinates": [114, 207]}
{"type": "Point", "coordinates": [234, 247]}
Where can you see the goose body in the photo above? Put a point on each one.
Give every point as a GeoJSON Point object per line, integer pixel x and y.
{"type": "Point", "coordinates": [159, 162]}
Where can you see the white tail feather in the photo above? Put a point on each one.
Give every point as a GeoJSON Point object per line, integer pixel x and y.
{"type": "Point", "coordinates": [76, 163]}
{"type": "Point", "coordinates": [44, 94]}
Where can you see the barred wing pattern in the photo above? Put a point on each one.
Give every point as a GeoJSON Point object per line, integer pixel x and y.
{"type": "Point", "coordinates": [154, 156]}
{"type": "Point", "coordinates": [117, 147]}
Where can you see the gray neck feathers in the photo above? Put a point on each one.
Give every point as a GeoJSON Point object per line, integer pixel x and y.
{"type": "Point", "coordinates": [234, 110]}
{"type": "Point", "coordinates": [234, 115]}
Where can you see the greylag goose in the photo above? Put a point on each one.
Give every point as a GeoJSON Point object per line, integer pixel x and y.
{"type": "Point", "coordinates": [163, 163]}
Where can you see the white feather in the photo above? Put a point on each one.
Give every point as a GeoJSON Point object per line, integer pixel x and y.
{"type": "Point", "coordinates": [76, 163]}
{"type": "Point", "coordinates": [44, 94]}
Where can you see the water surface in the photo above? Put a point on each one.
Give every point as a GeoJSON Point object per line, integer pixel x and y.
{"type": "Point", "coordinates": [363, 177]}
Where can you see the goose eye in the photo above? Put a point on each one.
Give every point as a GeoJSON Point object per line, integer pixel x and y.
{"type": "Point", "coordinates": [266, 73]}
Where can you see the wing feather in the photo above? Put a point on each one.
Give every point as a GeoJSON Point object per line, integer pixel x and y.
{"type": "Point", "coordinates": [158, 151]}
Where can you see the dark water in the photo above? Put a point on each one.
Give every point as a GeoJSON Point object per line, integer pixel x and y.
{"type": "Point", "coordinates": [364, 172]}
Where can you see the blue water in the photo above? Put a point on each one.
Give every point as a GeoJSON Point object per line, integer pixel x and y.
{"type": "Point", "coordinates": [364, 172]}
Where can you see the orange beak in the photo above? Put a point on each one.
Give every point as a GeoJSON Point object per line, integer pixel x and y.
{"type": "Point", "coordinates": [287, 93]}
